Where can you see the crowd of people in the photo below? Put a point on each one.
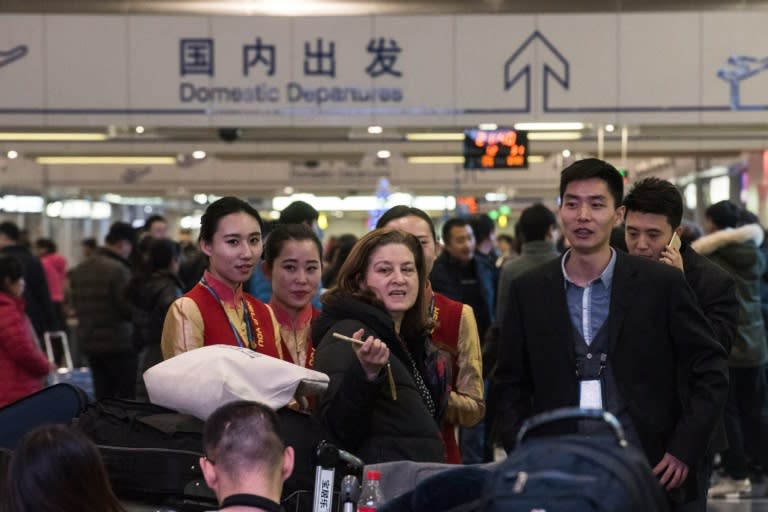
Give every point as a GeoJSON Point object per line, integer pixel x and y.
{"type": "Point", "coordinates": [438, 355]}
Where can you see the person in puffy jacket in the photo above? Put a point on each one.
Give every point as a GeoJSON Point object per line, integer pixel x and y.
{"type": "Point", "coordinates": [22, 364]}
{"type": "Point", "coordinates": [152, 291]}
{"type": "Point", "coordinates": [385, 401]}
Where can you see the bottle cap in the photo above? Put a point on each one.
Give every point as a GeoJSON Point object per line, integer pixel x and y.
{"type": "Point", "coordinates": [373, 475]}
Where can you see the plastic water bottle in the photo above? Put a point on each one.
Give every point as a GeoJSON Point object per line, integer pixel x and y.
{"type": "Point", "coordinates": [370, 496]}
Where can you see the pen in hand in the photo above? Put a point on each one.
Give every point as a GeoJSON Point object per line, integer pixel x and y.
{"type": "Point", "coordinates": [390, 377]}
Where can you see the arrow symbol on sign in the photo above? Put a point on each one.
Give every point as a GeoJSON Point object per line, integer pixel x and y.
{"type": "Point", "coordinates": [518, 66]}
{"type": "Point", "coordinates": [8, 56]}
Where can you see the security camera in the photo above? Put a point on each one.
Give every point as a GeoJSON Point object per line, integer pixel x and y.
{"type": "Point", "coordinates": [230, 134]}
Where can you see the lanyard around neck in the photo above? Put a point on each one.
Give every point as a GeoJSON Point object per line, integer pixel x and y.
{"type": "Point", "coordinates": [235, 332]}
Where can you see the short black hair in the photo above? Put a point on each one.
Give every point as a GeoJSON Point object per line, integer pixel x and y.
{"type": "Point", "coordinates": [725, 214]}
{"type": "Point", "coordinates": [242, 434]}
{"type": "Point", "coordinates": [121, 231]}
{"type": "Point", "coordinates": [482, 226]}
{"type": "Point", "coordinates": [11, 230]}
{"type": "Point", "coordinates": [152, 219]}
{"type": "Point", "coordinates": [654, 195]}
{"type": "Point", "coordinates": [589, 168]}
{"type": "Point", "coordinates": [47, 244]}
{"type": "Point", "coordinates": [298, 212]}
{"type": "Point", "coordinates": [535, 222]}
{"type": "Point", "coordinates": [400, 211]}
{"type": "Point", "coordinates": [162, 252]}
{"type": "Point", "coordinates": [10, 269]}
{"type": "Point", "coordinates": [450, 224]}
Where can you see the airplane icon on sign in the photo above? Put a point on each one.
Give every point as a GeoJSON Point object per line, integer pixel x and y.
{"type": "Point", "coordinates": [12, 55]}
{"type": "Point", "coordinates": [742, 67]}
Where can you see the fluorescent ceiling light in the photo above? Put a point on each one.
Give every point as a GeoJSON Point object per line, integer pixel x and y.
{"type": "Point", "coordinates": [53, 136]}
{"type": "Point", "coordinates": [488, 126]}
{"type": "Point", "coordinates": [434, 137]}
{"type": "Point", "coordinates": [554, 135]}
{"type": "Point", "coordinates": [106, 160]}
{"type": "Point", "coordinates": [548, 126]}
{"type": "Point", "coordinates": [436, 159]}
{"type": "Point", "coordinates": [383, 153]}
{"type": "Point", "coordinates": [535, 159]}
{"type": "Point", "coordinates": [375, 130]}
{"type": "Point", "coordinates": [21, 204]}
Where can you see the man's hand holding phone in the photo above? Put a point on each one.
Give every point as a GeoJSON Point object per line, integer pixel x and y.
{"type": "Point", "coordinates": [671, 253]}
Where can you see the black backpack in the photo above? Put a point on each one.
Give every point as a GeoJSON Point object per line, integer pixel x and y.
{"type": "Point", "coordinates": [573, 473]}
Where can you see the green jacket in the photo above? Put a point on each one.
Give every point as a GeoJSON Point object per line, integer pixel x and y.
{"type": "Point", "coordinates": [736, 251]}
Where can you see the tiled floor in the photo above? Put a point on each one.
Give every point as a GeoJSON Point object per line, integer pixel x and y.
{"type": "Point", "coordinates": [754, 505]}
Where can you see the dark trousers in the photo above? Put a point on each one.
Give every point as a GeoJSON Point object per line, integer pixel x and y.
{"type": "Point", "coordinates": [114, 375]}
{"type": "Point", "coordinates": [746, 397]}
{"type": "Point", "coordinates": [702, 473]}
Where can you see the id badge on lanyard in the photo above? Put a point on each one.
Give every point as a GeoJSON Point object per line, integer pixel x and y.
{"type": "Point", "coordinates": [591, 394]}
{"type": "Point", "coordinates": [591, 390]}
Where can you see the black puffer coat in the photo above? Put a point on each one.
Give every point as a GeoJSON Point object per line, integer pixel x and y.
{"type": "Point", "coordinates": [361, 415]}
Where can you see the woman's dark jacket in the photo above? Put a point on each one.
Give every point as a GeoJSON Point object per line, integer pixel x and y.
{"type": "Point", "coordinates": [150, 301]}
{"type": "Point", "coordinates": [361, 415]}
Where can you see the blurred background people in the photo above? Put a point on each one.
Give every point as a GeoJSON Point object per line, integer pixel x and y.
{"type": "Point", "coordinates": [100, 301]}
{"type": "Point", "coordinates": [336, 256]}
{"type": "Point", "coordinates": [155, 227]}
{"type": "Point", "coordinates": [734, 246]}
{"type": "Point", "coordinates": [22, 365]}
{"type": "Point", "coordinates": [55, 268]}
{"type": "Point", "coordinates": [151, 292]}
{"type": "Point", "coordinates": [508, 247]}
{"type": "Point", "coordinates": [37, 298]}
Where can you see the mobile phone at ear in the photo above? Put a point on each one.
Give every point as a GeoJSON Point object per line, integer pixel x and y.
{"type": "Point", "coordinates": [675, 241]}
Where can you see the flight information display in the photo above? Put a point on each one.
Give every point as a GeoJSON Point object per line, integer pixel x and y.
{"type": "Point", "coordinates": [495, 149]}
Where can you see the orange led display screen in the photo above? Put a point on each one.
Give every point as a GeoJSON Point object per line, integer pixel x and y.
{"type": "Point", "coordinates": [495, 149]}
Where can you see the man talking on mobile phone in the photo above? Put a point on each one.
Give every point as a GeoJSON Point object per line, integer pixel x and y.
{"type": "Point", "coordinates": [652, 217]}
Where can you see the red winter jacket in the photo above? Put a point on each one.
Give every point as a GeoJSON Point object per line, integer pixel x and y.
{"type": "Point", "coordinates": [22, 364]}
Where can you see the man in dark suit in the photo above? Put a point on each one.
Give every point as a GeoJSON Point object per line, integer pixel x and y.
{"type": "Point", "coordinates": [653, 213]}
{"type": "Point", "coordinates": [602, 329]}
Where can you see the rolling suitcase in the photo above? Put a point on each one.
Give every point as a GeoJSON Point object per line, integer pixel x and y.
{"type": "Point", "coordinates": [60, 403]}
{"type": "Point", "coordinates": [574, 473]}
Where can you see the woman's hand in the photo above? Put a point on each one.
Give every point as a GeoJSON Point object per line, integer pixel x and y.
{"type": "Point", "coordinates": [373, 355]}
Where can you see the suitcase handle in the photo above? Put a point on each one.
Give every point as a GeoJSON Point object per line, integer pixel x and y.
{"type": "Point", "coordinates": [573, 413]}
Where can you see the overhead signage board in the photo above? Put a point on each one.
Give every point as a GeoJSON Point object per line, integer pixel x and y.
{"type": "Point", "coordinates": [441, 70]}
{"type": "Point", "coordinates": [495, 149]}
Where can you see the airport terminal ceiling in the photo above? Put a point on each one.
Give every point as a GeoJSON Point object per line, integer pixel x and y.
{"type": "Point", "coordinates": [263, 161]}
